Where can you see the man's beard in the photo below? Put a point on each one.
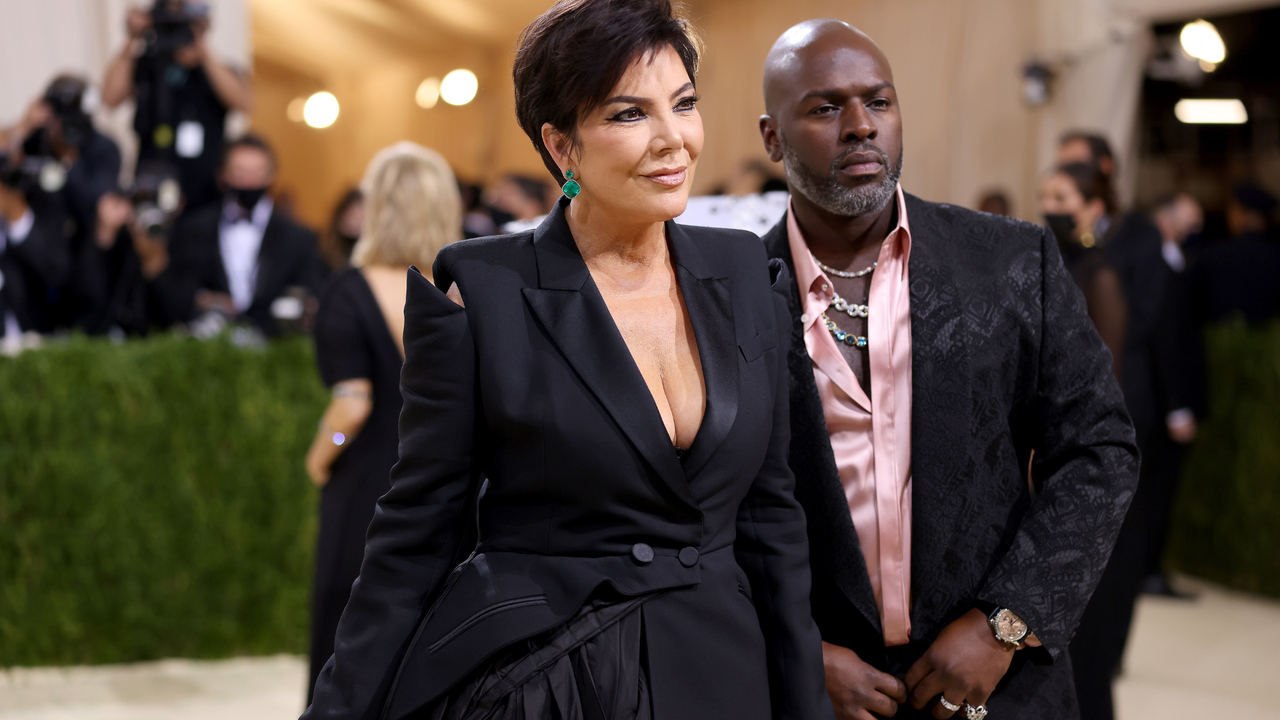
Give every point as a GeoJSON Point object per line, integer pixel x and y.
{"type": "Point", "coordinates": [826, 192]}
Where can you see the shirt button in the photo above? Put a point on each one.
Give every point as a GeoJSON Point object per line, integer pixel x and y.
{"type": "Point", "coordinates": [804, 318]}
{"type": "Point", "coordinates": [826, 286]}
{"type": "Point", "coordinates": [642, 553]}
{"type": "Point", "coordinates": [689, 556]}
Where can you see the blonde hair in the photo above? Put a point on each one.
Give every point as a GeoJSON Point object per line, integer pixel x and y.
{"type": "Point", "coordinates": [412, 208]}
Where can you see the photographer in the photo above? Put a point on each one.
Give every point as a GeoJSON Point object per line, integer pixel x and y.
{"type": "Point", "coordinates": [34, 252]}
{"type": "Point", "coordinates": [57, 127]}
{"type": "Point", "coordinates": [183, 92]}
{"type": "Point", "coordinates": [235, 259]}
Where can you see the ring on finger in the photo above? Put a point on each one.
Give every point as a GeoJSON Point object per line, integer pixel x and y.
{"type": "Point", "coordinates": [975, 713]}
{"type": "Point", "coordinates": [942, 700]}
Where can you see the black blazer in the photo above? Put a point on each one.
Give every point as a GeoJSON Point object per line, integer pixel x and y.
{"type": "Point", "coordinates": [287, 258]}
{"type": "Point", "coordinates": [533, 386]}
{"type": "Point", "coordinates": [36, 269]}
{"type": "Point", "coordinates": [1004, 361]}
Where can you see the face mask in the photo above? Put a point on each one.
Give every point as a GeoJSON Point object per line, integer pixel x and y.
{"type": "Point", "coordinates": [247, 198]}
{"type": "Point", "coordinates": [1062, 226]}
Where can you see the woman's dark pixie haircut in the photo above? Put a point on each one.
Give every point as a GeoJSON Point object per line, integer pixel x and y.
{"type": "Point", "coordinates": [572, 56]}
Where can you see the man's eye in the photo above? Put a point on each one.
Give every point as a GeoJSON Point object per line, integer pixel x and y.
{"type": "Point", "coordinates": [824, 109]}
{"type": "Point", "coordinates": [879, 103]}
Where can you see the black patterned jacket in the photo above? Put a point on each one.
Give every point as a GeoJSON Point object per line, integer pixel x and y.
{"type": "Point", "coordinates": [1004, 361]}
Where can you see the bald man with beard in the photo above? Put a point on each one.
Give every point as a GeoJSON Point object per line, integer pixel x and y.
{"type": "Point", "coordinates": [934, 349]}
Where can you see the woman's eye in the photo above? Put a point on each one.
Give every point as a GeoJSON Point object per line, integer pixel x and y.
{"type": "Point", "coordinates": [686, 104]}
{"type": "Point", "coordinates": [629, 114]}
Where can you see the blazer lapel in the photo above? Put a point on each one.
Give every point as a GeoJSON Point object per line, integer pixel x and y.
{"type": "Point", "coordinates": [833, 538]}
{"type": "Point", "coordinates": [941, 412]}
{"type": "Point", "coordinates": [710, 305]}
{"type": "Point", "coordinates": [571, 309]}
{"type": "Point", "coordinates": [268, 261]}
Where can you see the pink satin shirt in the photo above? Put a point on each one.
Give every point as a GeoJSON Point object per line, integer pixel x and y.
{"type": "Point", "coordinates": [871, 436]}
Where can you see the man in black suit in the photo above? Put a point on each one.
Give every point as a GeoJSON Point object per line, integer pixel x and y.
{"type": "Point", "coordinates": [235, 258]}
{"type": "Point", "coordinates": [35, 254]}
{"type": "Point", "coordinates": [934, 349]}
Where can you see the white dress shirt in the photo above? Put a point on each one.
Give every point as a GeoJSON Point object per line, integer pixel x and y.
{"type": "Point", "coordinates": [239, 240]}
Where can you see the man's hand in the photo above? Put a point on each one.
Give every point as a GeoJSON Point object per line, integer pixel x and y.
{"type": "Point", "coordinates": [964, 664]}
{"type": "Point", "coordinates": [137, 22]}
{"type": "Point", "coordinates": [207, 300]}
{"type": "Point", "coordinates": [114, 211]}
{"type": "Point", "coordinates": [856, 688]}
{"type": "Point", "coordinates": [153, 253]}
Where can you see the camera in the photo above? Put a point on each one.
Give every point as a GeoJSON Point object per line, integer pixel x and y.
{"type": "Point", "coordinates": [31, 172]}
{"type": "Point", "coordinates": [171, 26]}
{"type": "Point", "coordinates": [156, 198]}
{"type": "Point", "coordinates": [66, 100]}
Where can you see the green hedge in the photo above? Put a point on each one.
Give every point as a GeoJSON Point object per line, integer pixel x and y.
{"type": "Point", "coordinates": [153, 502]}
{"type": "Point", "coordinates": [1227, 520]}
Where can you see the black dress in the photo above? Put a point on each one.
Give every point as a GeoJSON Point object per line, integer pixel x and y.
{"type": "Point", "coordinates": [352, 341]}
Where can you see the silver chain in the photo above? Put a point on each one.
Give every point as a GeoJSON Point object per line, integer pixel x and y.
{"type": "Point", "coordinates": [842, 273]}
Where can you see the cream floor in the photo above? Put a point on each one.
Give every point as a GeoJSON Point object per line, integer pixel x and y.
{"type": "Point", "coordinates": [1215, 657]}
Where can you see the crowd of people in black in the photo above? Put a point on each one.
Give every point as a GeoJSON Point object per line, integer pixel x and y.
{"type": "Point", "coordinates": [194, 238]}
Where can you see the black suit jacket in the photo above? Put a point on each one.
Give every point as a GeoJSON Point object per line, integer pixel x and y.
{"type": "Point", "coordinates": [533, 386]}
{"type": "Point", "coordinates": [287, 258]}
{"type": "Point", "coordinates": [35, 269]}
{"type": "Point", "coordinates": [1004, 361]}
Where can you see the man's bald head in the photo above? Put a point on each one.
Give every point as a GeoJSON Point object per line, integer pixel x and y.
{"type": "Point", "coordinates": [833, 119]}
{"type": "Point", "coordinates": [812, 41]}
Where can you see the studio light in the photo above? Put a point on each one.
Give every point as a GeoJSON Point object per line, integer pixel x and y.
{"type": "Point", "coordinates": [297, 109]}
{"type": "Point", "coordinates": [1200, 40]}
{"type": "Point", "coordinates": [1214, 112]}
{"type": "Point", "coordinates": [321, 110]}
{"type": "Point", "coordinates": [428, 93]}
{"type": "Point", "coordinates": [459, 87]}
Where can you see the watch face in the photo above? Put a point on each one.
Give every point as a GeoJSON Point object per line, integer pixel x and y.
{"type": "Point", "coordinates": [1011, 626]}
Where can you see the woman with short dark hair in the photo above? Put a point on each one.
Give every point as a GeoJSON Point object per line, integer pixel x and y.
{"type": "Point", "coordinates": [621, 382]}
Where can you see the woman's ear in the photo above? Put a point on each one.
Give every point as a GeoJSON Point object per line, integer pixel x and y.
{"type": "Point", "coordinates": [557, 144]}
{"type": "Point", "coordinates": [1095, 209]}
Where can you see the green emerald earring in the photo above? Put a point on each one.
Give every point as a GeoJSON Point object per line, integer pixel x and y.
{"type": "Point", "coordinates": [571, 187]}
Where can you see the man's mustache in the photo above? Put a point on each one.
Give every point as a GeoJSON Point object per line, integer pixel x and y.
{"type": "Point", "coordinates": [860, 147]}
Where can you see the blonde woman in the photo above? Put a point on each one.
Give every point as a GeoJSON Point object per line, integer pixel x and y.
{"type": "Point", "coordinates": [412, 209]}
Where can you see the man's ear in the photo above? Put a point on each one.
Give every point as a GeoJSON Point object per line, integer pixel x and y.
{"type": "Point", "coordinates": [769, 134]}
{"type": "Point", "coordinates": [557, 144]}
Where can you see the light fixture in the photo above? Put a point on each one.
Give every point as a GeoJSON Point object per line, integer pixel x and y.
{"type": "Point", "coordinates": [1200, 40]}
{"type": "Point", "coordinates": [296, 111]}
{"type": "Point", "coordinates": [321, 110]}
{"type": "Point", "coordinates": [459, 87]}
{"type": "Point", "coordinates": [1216, 112]}
{"type": "Point", "coordinates": [428, 93]}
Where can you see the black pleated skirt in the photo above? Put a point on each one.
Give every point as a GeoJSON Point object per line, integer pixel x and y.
{"type": "Point", "coordinates": [591, 667]}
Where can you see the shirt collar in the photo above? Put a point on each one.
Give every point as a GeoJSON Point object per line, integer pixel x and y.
{"type": "Point", "coordinates": [812, 282]}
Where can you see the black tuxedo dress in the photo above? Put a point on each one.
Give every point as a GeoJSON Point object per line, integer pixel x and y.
{"type": "Point", "coordinates": [532, 386]}
{"type": "Point", "coordinates": [1004, 361]}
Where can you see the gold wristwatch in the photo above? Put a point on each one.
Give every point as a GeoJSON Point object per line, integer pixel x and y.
{"type": "Point", "coordinates": [1007, 627]}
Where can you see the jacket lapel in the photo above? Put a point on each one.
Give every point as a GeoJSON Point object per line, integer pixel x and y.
{"type": "Point", "coordinates": [710, 305]}
{"type": "Point", "coordinates": [833, 538]}
{"type": "Point", "coordinates": [941, 412]}
{"type": "Point", "coordinates": [268, 261]}
{"type": "Point", "coordinates": [571, 309]}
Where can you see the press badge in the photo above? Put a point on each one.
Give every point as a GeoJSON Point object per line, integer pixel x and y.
{"type": "Point", "coordinates": [190, 140]}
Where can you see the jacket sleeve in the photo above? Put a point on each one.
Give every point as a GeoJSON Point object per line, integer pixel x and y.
{"type": "Point", "coordinates": [1085, 469]}
{"type": "Point", "coordinates": [417, 529]}
{"type": "Point", "coordinates": [773, 550]}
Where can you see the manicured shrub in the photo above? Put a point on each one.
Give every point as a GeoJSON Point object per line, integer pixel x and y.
{"type": "Point", "coordinates": [1227, 521]}
{"type": "Point", "coordinates": [153, 501]}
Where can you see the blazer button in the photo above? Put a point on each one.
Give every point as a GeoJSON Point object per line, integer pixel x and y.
{"type": "Point", "coordinates": [689, 556]}
{"type": "Point", "coordinates": [642, 553]}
